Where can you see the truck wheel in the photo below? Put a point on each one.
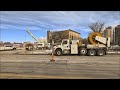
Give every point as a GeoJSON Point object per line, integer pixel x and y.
{"type": "Point", "coordinates": [83, 51]}
{"type": "Point", "coordinates": [58, 52]}
{"type": "Point", "coordinates": [14, 48]}
{"type": "Point", "coordinates": [91, 52]}
{"type": "Point", "coordinates": [100, 52]}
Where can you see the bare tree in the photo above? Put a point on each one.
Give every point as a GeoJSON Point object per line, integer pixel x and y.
{"type": "Point", "coordinates": [109, 27]}
{"type": "Point", "coordinates": [97, 26]}
{"type": "Point", "coordinates": [84, 41]}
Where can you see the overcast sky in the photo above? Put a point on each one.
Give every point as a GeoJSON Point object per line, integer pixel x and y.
{"type": "Point", "coordinates": [14, 23]}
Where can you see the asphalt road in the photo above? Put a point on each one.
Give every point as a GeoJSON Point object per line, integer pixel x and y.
{"type": "Point", "coordinates": [64, 67]}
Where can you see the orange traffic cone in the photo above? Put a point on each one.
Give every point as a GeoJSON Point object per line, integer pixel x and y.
{"type": "Point", "coordinates": [52, 57]}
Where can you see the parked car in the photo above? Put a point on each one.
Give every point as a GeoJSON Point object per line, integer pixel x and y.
{"type": "Point", "coordinates": [7, 47]}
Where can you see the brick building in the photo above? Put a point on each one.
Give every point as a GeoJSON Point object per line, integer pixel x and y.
{"type": "Point", "coordinates": [58, 36]}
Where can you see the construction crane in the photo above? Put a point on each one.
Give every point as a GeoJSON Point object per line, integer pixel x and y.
{"type": "Point", "coordinates": [40, 45]}
{"type": "Point", "coordinates": [31, 35]}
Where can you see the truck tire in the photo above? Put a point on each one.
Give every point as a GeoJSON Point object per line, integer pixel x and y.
{"type": "Point", "coordinates": [14, 48]}
{"type": "Point", "coordinates": [58, 52]}
{"type": "Point", "coordinates": [91, 52]}
{"type": "Point", "coordinates": [100, 52]}
{"type": "Point", "coordinates": [83, 51]}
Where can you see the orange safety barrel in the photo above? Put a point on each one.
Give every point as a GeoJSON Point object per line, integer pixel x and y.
{"type": "Point", "coordinates": [92, 36]}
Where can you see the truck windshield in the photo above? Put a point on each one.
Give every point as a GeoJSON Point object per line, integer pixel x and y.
{"type": "Point", "coordinates": [40, 44]}
{"type": "Point", "coordinates": [64, 42]}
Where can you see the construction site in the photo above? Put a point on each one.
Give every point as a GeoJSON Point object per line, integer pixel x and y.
{"type": "Point", "coordinates": [45, 61]}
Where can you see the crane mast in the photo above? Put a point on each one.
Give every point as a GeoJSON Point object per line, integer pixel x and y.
{"type": "Point", "coordinates": [32, 35]}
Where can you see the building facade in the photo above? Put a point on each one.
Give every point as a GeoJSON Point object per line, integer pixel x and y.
{"type": "Point", "coordinates": [42, 40]}
{"type": "Point", "coordinates": [58, 36]}
{"type": "Point", "coordinates": [108, 33]}
{"type": "Point", "coordinates": [18, 45]}
{"type": "Point", "coordinates": [117, 35]}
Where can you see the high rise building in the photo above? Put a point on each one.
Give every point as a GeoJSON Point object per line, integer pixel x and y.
{"type": "Point", "coordinates": [117, 35]}
{"type": "Point", "coordinates": [108, 33]}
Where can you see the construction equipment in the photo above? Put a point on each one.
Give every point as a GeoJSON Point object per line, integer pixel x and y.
{"type": "Point", "coordinates": [92, 36]}
{"type": "Point", "coordinates": [98, 46]}
{"type": "Point", "coordinates": [40, 45]}
{"type": "Point", "coordinates": [29, 46]}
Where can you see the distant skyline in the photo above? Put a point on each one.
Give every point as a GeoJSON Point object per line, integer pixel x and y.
{"type": "Point", "coordinates": [14, 23]}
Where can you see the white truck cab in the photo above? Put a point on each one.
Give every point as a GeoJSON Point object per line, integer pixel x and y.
{"type": "Point", "coordinates": [67, 47]}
